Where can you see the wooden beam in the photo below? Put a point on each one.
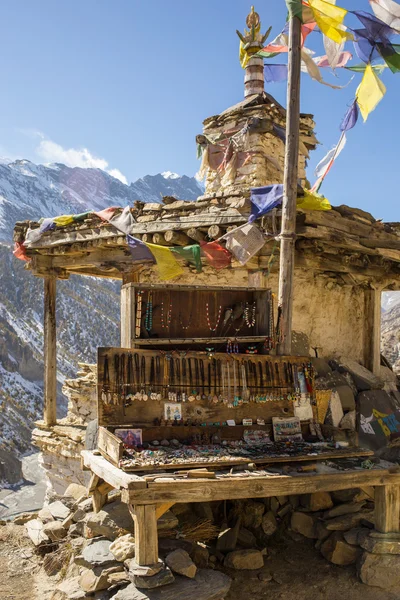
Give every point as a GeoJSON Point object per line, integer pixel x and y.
{"type": "Point", "coordinates": [176, 237]}
{"type": "Point", "coordinates": [161, 509]}
{"type": "Point", "coordinates": [195, 234]}
{"type": "Point", "coordinates": [372, 330]}
{"type": "Point", "coordinates": [128, 315]}
{"type": "Point", "coordinates": [146, 535]}
{"type": "Point", "coordinates": [387, 508]}
{"type": "Point", "coordinates": [215, 232]}
{"type": "Point", "coordinates": [50, 352]}
{"type": "Point", "coordinates": [112, 475]}
{"type": "Point", "coordinates": [288, 230]}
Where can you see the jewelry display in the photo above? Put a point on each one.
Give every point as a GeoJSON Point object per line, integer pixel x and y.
{"type": "Point", "coordinates": [211, 328]}
{"type": "Point", "coordinates": [138, 320]}
{"type": "Point", "coordinates": [148, 320]}
{"type": "Point", "coordinates": [166, 319]}
{"type": "Point", "coordinates": [250, 315]}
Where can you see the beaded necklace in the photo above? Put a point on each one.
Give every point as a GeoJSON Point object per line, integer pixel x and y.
{"type": "Point", "coordinates": [165, 322]}
{"type": "Point", "coordinates": [148, 320]}
{"type": "Point", "coordinates": [213, 329]}
{"type": "Point", "coordinates": [250, 322]}
{"type": "Point", "coordinates": [138, 320]}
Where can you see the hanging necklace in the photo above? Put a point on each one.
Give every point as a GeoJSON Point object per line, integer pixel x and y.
{"type": "Point", "coordinates": [250, 320]}
{"type": "Point", "coordinates": [115, 395]}
{"type": "Point", "coordinates": [213, 329]}
{"type": "Point", "coordinates": [178, 380]}
{"type": "Point", "coordinates": [228, 400]}
{"type": "Point", "coordinates": [106, 392]}
{"type": "Point", "coordinates": [166, 320]}
{"type": "Point", "coordinates": [235, 385]}
{"type": "Point", "coordinates": [129, 380]}
{"type": "Point", "coordinates": [158, 378]}
{"type": "Point", "coordinates": [184, 379]}
{"type": "Point", "coordinates": [143, 394]}
{"type": "Point", "coordinates": [148, 320]}
{"type": "Point", "coordinates": [153, 394]}
{"type": "Point", "coordinates": [193, 392]}
{"type": "Point", "coordinates": [138, 321]}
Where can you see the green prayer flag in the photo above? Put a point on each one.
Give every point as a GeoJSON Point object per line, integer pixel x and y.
{"type": "Point", "coordinates": [81, 216]}
{"type": "Point", "coordinates": [361, 68]}
{"type": "Point", "coordinates": [391, 56]}
{"type": "Point", "coordinates": [263, 54]}
{"type": "Point", "coordinates": [189, 253]}
{"type": "Point", "coordinates": [295, 8]}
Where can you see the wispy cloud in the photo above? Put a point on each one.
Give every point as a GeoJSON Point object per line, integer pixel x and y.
{"type": "Point", "coordinates": [51, 152]}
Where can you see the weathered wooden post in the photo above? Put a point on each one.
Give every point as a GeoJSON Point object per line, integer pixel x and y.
{"type": "Point", "coordinates": [50, 352]}
{"type": "Point", "coordinates": [288, 229]}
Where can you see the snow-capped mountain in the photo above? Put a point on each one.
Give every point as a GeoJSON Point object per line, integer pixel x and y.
{"type": "Point", "coordinates": [30, 191]}
{"type": "Point", "coordinates": [87, 308]}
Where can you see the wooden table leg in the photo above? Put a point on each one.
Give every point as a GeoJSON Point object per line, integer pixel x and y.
{"type": "Point", "coordinates": [98, 489]}
{"type": "Point", "coordinates": [387, 508]}
{"type": "Point", "coordinates": [146, 535]}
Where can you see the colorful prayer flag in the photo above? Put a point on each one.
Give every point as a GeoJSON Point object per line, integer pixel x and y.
{"type": "Point", "coordinates": [388, 12]}
{"type": "Point", "coordinates": [309, 66]}
{"type": "Point", "coordinates": [374, 30]}
{"type": "Point", "coordinates": [325, 165]}
{"type": "Point", "coordinates": [313, 201]}
{"type": "Point", "coordinates": [63, 220]}
{"type": "Point", "coordinates": [341, 60]}
{"type": "Point", "coordinates": [107, 213]}
{"type": "Point", "coordinates": [264, 199]}
{"type": "Point", "coordinates": [361, 68]}
{"type": "Point", "coordinates": [370, 92]}
{"type": "Point", "coordinates": [216, 255]}
{"type": "Point", "coordinates": [124, 221]}
{"type": "Point", "coordinates": [329, 19]}
{"type": "Point", "coordinates": [20, 251]}
{"type": "Point", "coordinates": [391, 55]}
{"type": "Point", "coordinates": [350, 118]}
{"type": "Point", "coordinates": [295, 9]}
{"type": "Point", "coordinates": [275, 73]}
{"type": "Point", "coordinates": [168, 267]}
{"type": "Point", "coordinates": [365, 49]}
{"type": "Point", "coordinates": [244, 242]}
{"type": "Point", "coordinates": [139, 250]}
{"type": "Point", "coordinates": [189, 253]}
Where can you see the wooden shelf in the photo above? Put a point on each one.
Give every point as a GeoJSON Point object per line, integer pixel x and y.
{"type": "Point", "coordinates": [215, 340]}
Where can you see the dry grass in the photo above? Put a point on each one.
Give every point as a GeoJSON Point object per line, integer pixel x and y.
{"type": "Point", "coordinates": [199, 531]}
{"type": "Point", "coordinates": [15, 535]}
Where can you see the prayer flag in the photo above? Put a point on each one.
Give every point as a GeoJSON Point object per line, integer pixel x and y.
{"type": "Point", "coordinates": [329, 19]}
{"type": "Point", "coordinates": [280, 132]}
{"type": "Point", "coordinates": [81, 216]}
{"type": "Point", "coordinates": [63, 220]}
{"type": "Point", "coordinates": [168, 267]}
{"type": "Point", "coordinates": [189, 253]}
{"type": "Point", "coordinates": [325, 165]}
{"type": "Point", "coordinates": [361, 68]}
{"type": "Point", "coordinates": [139, 250]}
{"type": "Point", "coordinates": [124, 221]}
{"type": "Point", "coordinates": [295, 8]}
{"type": "Point", "coordinates": [370, 92]}
{"type": "Point", "coordinates": [341, 60]}
{"type": "Point", "coordinates": [217, 256]}
{"type": "Point", "coordinates": [350, 118]}
{"type": "Point", "coordinates": [311, 68]}
{"type": "Point", "coordinates": [107, 213]}
{"type": "Point", "coordinates": [20, 251]}
{"type": "Point", "coordinates": [244, 242]}
{"type": "Point", "coordinates": [390, 55]}
{"type": "Point", "coordinates": [388, 12]}
{"type": "Point", "coordinates": [264, 199]}
{"type": "Point", "coordinates": [313, 201]}
{"type": "Point", "coordinates": [275, 73]}
{"type": "Point", "coordinates": [374, 30]}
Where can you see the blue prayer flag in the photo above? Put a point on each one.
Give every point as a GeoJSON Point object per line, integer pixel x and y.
{"type": "Point", "coordinates": [264, 199]}
{"type": "Point", "coordinates": [139, 250]}
{"type": "Point", "coordinates": [350, 118]}
{"type": "Point", "coordinates": [275, 73]}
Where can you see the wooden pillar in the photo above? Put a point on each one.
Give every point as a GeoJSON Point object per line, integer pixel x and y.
{"type": "Point", "coordinates": [146, 535]}
{"type": "Point", "coordinates": [127, 315]}
{"type": "Point", "coordinates": [288, 230]}
{"type": "Point", "coordinates": [387, 508]}
{"type": "Point", "coordinates": [50, 352]}
{"type": "Point", "coordinates": [372, 330]}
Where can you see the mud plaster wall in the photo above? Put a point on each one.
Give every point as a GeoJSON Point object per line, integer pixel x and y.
{"type": "Point", "coordinates": [325, 315]}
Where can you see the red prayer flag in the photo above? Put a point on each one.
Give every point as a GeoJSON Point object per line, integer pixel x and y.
{"type": "Point", "coordinates": [107, 213]}
{"type": "Point", "coordinates": [20, 251]}
{"type": "Point", "coordinates": [217, 256]}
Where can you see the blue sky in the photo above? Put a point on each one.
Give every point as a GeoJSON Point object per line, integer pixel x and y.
{"type": "Point", "coordinates": [125, 85]}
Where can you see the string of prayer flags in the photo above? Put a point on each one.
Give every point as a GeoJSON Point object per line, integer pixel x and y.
{"type": "Point", "coordinates": [139, 250]}
{"type": "Point", "coordinates": [216, 255]}
{"type": "Point", "coordinates": [350, 118]}
{"type": "Point", "coordinates": [168, 266]}
{"type": "Point", "coordinates": [264, 199]}
{"type": "Point", "coordinates": [329, 19]}
{"type": "Point", "coordinates": [370, 92]}
{"type": "Point", "coordinates": [189, 253]}
{"type": "Point", "coordinates": [244, 242]}
{"type": "Point", "coordinates": [275, 73]}
{"type": "Point", "coordinates": [325, 165]}
{"type": "Point", "coordinates": [313, 201]}
{"type": "Point", "coordinates": [124, 221]}
{"type": "Point", "coordinates": [388, 12]}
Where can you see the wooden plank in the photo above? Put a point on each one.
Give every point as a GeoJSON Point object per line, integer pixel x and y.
{"type": "Point", "coordinates": [50, 352]}
{"type": "Point", "coordinates": [110, 445]}
{"type": "Point", "coordinates": [112, 475]}
{"type": "Point", "coordinates": [128, 295]}
{"type": "Point", "coordinates": [372, 330]}
{"type": "Point", "coordinates": [161, 509]}
{"type": "Point", "coordinates": [387, 508]}
{"type": "Point", "coordinates": [98, 500]}
{"type": "Point", "coordinates": [94, 480]}
{"type": "Point", "coordinates": [200, 341]}
{"type": "Point", "coordinates": [146, 535]}
{"type": "Point", "coordinates": [199, 490]}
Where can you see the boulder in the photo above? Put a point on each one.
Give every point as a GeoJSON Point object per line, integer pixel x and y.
{"type": "Point", "coordinates": [347, 496]}
{"type": "Point", "coordinates": [163, 577]}
{"type": "Point", "coordinates": [227, 537]}
{"type": "Point", "coordinates": [364, 379]}
{"type": "Point", "coordinates": [343, 509]}
{"type": "Point", "coordinates": [69, 589]}
{"type": "Point", "coordinates": [45, 515]}
{"type": "Point", "coordinates": [123, 547]}
{"type": "Point", "coordinates": [390, 379]}
{"type": "Point", "coordinates": [77, 529]}
{"type": "Point", "coordinates": [76, 491]}
{"type": "Point", "coordinates": [316, 501]}
{"type": "Point", "coordinates": [35, 530]}
{"type": "Point", "coordinates": [58, 510]}
{"type": "Point", "coordinates": [180, 562]}
{"type": "Point", "coordinates": [55, 531]}
{"type": "Point", "coordinates": [380, 570]}
{"type": "Point", "coordinates": [346, 396]}
{"type": "Point", "coordinates": [25, 517]}
{"type": "Point", "coordinates": [207, 585]}
{"type": "Point", "coordinates": [244, 560]}
{"type": "Point", "coordinates": [346, 522]}
{"type": "Point", "coordinates": [111, 521]}
{"type": "Point", "coordinates": [246, 538]}
{"type": "Point", "coordinates": [78, 515]}
{"type": "Point", "coordinates": [381, 543]}
{"type": "Point", "coordinates": [269, 524]}
{"type": "Point", "coordinates": [338, 551]}
{"type": "Point", "coordinates": [304, 523]}
{"type": "Point", "coordinates": [142, 570]}
{"type": "Point", "coordinates": [321, 367]}
{"type": "Point", "coordinates": [98, 554]}
{"type": "Point", "coordinates": [200, 555]}
{"type": "Point", "coordinates": [252, 514]}
{"type": "Point", "coordinates": [94, 580]}
{"type": "Point", "coordinates": [348, 421]}
{"type": "Point", "coordinates": [356, 535]}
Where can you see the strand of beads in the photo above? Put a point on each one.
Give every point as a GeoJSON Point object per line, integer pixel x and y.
{"type": "Point", "coordinates": [250, 321]}
{"type": "Point", "coordinates": [218, 318]}
{"type": "Point", "coordinates": [165, 322]}
{"type": "Point", "coordinates": [148, 320]}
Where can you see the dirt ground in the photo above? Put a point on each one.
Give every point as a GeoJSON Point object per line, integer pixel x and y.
{"type": "Point", "coordinates": [293, 570]}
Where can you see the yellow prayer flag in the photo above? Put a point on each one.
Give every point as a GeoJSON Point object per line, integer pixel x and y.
{"type": "Point", "coordinates": [329, 19]}
{"type": "Point", "coordinates": [63, 220]}
{"type": "Point", "coordinates": [370, 92]}
{"type": "Point", "coordinates": [168, 267]}
{"type": "Point", "coordinates": [313, 201]}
